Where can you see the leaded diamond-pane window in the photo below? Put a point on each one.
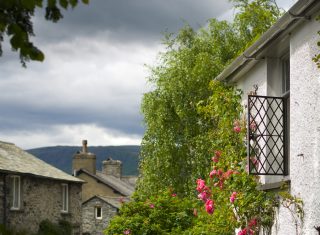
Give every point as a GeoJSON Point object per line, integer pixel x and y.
{"type": "Point", "coordinates": [267, 150]}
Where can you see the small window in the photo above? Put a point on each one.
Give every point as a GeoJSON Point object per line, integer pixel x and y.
{"type": "Point", "coordinates": [98, 212]}
{"type": "Point", "coordinates": [65, 197]}
{"type": "Point", "coordinates": [16, 192]}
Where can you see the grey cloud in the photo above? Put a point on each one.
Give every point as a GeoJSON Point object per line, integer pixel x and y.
{"type": "Point", "coordinates": [93, 73]}
{"type": "Point", "coordinates": [127, 20]}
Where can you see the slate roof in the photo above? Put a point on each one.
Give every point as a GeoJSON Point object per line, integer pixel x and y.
{"type": "Point", "coordinates": [111, 181]}
{"type": "Point", "coordinates": [15, 160]}
{"type": "Point", "coordinates": [113, 201]}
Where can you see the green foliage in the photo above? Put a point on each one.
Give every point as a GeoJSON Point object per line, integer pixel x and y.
{"type": "Point", "coordinates": [45, 228]}
{"type": "Point", "coordinates": [255, 17]}
{"type": "Point", "coordinates": [6, 231]}
{"type": "Point", "coordinates": [48, 228]}
{"type": "Point", "coordinates": [164, 213]}
{"type": "Point", "coordinates": [176, 146]}
{"type": "Point", "coordinates": [229, 168]}
{"type": "Point", "coordinates": [174, 127]}
{"type": "Point", "coordinates": [15, 21]}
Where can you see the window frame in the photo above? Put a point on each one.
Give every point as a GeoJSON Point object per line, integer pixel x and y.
{"type": "Point", "coordinates": [65, 198]}
{"type": "Point", "coordinates": [14, 180]}
{"type": "Point", "coordinates": [96, 212]}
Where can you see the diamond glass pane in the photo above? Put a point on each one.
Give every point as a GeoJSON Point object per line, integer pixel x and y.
{"type": "Point", "coordinates": [266, 135]}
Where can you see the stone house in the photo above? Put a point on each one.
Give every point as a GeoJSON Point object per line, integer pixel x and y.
{"type": "Point", "coordinates": [281, 95]}
{"type": "Point", "coordinates": [103, 190]}
{"type": "Point", "coordinates": [97, 211]}
{"type": "Point", "coordinates": [32, 191]}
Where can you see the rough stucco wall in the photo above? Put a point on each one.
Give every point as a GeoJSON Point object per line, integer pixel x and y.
{"type": "Point", "coordinates": [92, 188]}
{"type": "Point", "coordinates": [305, 123]}
{"type": "Point", "coordinates": [90, 223]}
{"type": "Point", "coordinates": [42, 199]}
{"type": "Point", "coordinates": [257, 75]}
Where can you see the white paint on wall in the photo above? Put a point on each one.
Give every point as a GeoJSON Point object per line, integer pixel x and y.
{"type": "Point", "coordinates": [304, 145]}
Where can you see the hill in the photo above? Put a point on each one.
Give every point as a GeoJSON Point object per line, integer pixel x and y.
{"type": "Point", "coordinates": [61, 156]}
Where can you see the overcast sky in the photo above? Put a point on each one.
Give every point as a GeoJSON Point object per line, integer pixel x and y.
{"type": "Point", "coordinates": [92, 80]}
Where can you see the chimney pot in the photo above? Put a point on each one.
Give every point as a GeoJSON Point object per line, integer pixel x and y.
{"type": "Point", "coordinates": [84, 146]}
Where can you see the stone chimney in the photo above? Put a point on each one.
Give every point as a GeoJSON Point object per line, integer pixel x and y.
{"type": "Point", "coordinates": [112, 167]}
{"type": "Point", "coordinates": [84, 160]}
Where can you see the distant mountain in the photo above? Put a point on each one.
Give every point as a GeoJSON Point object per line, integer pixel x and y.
{"type": "Point", "coordinates": [61, 156]}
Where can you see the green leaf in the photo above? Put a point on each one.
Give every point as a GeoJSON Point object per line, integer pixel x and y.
{"type": "Point", "coordinates": [28, 4]}
{"type": "Point", "coordinates": [38, 3]}
{"type": "Point", "coordinates": [73, 3]}
{"type": "Point", "coordinates": [85, 1]}
{"type": "Point", "coordinates": [64, 3]}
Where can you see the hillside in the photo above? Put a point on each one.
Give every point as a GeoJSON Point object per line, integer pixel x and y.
{"type": "Point", "coordinates": [61, 156]}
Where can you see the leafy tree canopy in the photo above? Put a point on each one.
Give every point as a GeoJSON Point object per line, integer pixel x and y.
{"type": "Point", "coordinates": [16, 23]}
{"type": "Point", "coordinates": [177, 144]}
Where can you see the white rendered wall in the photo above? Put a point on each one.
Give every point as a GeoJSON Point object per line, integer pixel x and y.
{"type": "Point", "coordinates": [305, 124]}
{"type": "Point", "coordinates": [256, 76]}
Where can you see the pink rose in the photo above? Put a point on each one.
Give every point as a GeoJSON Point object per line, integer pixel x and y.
{"type": "Point", "coordinates": [151, 205]}
{"type": "Point", "coordinates": [209, 206]}
{"type": "Point", "coordinates": [253, 222]}
{"type": "Point", "coordinates": [237, 129]}
{"type": "Point", "coordinates": [227, 174]}
{"type": "Point", "coordinates": [203, 196]}
{"type": "Point", "coordinates": [233, 197]}
{"type": "Point", "coordinates": [173, 195]}
{"type": "Point", "coordinates": [215, 159]}
{"type": "Point", "coordinates": [212, 173]}
{"type": "Point", "coordinates": [201, 185]}
{"type": "Point", "coordinates": [217, 153]}
{"type": "Point", "coordinates": [127, 231]}
{"type": "Point", "coordinates": [245, 232]}
{"type": "Point", "coordinates": [253, 126]}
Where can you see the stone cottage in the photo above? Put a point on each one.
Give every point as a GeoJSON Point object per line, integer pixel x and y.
{"type": "Point", "coordinates": [103, 191]}
{"type": "Point", "coordinates": [32, 191]}
{"type": "Point", "coordinates": [281, 86]}
{"type": "Point", "coordinates": [97, 211]}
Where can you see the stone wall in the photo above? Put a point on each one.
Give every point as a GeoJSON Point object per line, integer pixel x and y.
{"type": "Point", "coordinates": [90, 224]}
{"type": "Point", "coordinates": [42, 199]}
{"type": "Point", "coordinates": [112, 167]}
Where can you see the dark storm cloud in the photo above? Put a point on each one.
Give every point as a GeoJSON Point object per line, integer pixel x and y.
{"type": "Point", "coordinates": [127, 20]}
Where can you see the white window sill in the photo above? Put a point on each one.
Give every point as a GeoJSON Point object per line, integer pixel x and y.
{"type": "Point", "coordinates": [273, 186]}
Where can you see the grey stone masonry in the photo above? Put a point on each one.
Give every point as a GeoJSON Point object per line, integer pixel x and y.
{"type": "Point", "coordinates": [91, 225]}
{"type": "Point", "coordinates": [112, 167]}
{"type": "Point", "coordinates": [41, 199]}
